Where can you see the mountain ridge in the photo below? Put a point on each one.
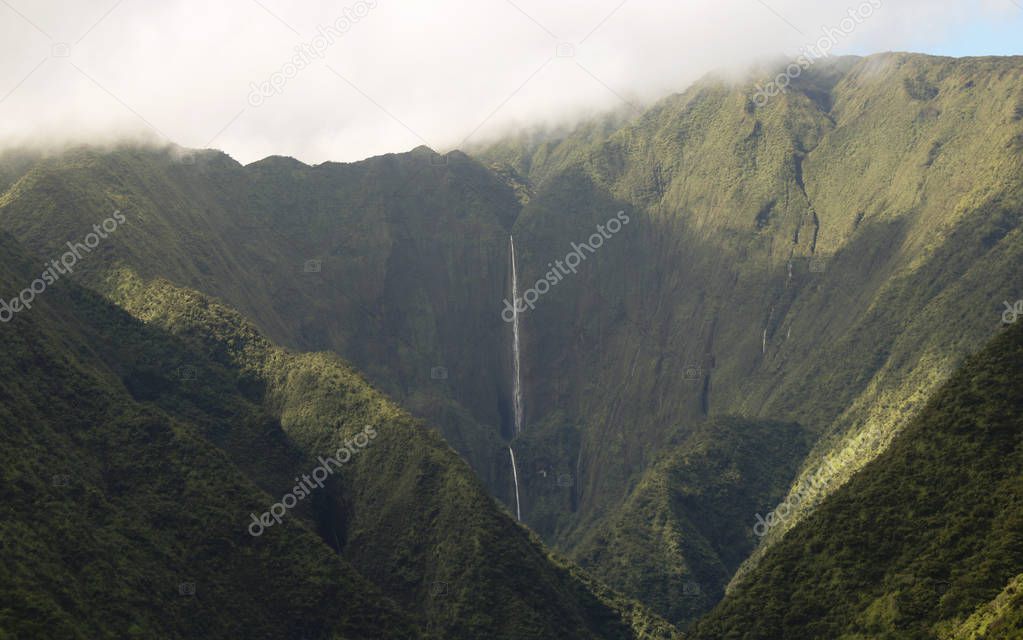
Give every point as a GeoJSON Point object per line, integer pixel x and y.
{"type": "Point", "coordinates": [826, 260]}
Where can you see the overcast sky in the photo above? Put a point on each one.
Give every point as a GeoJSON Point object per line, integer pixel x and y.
{"type": "Point", "coordinates": [359, 78]}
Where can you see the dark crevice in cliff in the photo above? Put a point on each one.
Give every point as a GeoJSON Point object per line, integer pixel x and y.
{"type": "Point", "coordinates": [797, 163]}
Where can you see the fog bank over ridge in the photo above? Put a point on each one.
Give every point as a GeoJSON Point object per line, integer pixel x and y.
{"type": "Point", "coordinates": [343, 81]}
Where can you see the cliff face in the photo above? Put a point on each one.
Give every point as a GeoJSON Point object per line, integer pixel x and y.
{"type": "Point", "coordinates": [394, 262]}
{"type": "Point", "coordinates": [168, 472]}
{"type": "Point", "coordinates": [824, 260]}
{"type": "Point", "coordinates": [924, 543]}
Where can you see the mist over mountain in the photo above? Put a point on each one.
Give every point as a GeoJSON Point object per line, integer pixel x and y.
{"type": "Point", "coordinates": [742, 362]}
{"type": "Point", "coordinates": [327, 81]}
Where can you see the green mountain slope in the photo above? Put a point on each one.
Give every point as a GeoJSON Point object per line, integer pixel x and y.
{"type": "Point", "coordinates": [373, 260]}
{"type": "Point", "coordinates": [122, 519]}
{"type": "Point", "coordinates": [412, 517]}
{"type": "Point", "coordinates": [674, 544]}
{"type": "Point", "coordinates": [749, 262]}
{"type": "Point", "coordinates": [753, 261]}
{"type": "Point", "coordinates": [915, 542]}
{"type": "Point", "coordinates": [137, 446]}
{"type": "Point", "coordinates": [995, 620]}
{"type": "Point", "coordinates": [827, 259]}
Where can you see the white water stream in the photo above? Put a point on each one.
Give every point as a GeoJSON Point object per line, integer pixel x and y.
{"type": "Point", "coordinates": [517, 398]}
{"type": "Point", "coordinates": [515, 474]}
{"type": "Point", "coordinates": [517, 384]}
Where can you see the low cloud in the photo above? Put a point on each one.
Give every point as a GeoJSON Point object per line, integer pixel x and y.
{"type": "Point", "coordinates": [395, 73]}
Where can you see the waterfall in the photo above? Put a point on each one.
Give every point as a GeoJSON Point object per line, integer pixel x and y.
{"type": "Point", "coordinates": [517, 383]}
{"type": "Point", "coordinates": [515, 340]}
{"type": "Point", "coordinates": [515, 474]}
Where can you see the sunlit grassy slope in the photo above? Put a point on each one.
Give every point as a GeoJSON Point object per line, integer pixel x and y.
{"type": "Point", "coordinates": [924, 542]}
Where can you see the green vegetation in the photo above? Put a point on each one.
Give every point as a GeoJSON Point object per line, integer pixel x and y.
{"type": "Point", "coordinates": [836, 254]}
{"type": "Point", "coordinates": [912, 545]}
{"type": "Point", "coordinates": [674, 544]}
{"type": "Point", "coordinates": [822, 263]}
{"type": "Point", "coordinates": [137, 446]}
{"type": "Point", "coordinates": [125, 518]}
{"type": "Point", "coordinates": [396, 246]}
{"type": "Point", "coordinates": [995, 620]}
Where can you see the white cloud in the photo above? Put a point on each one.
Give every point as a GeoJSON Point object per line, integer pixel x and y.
{"type": "Point", "coordinates": [417, 72]}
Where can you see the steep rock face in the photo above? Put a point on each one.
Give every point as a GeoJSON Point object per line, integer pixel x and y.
{"type": "Point", "coordinates": [826, 259]}
{"type": "Point", "coordinates": [749, 263]}
{"type": "Point", "coordinates": [410, 515]}
{"type": "Point", "coordinates": [924, 542]}
{"type": "Point", "coordinates": [142, 438]}
{"type": "Point", "coordinates": [398, 263]}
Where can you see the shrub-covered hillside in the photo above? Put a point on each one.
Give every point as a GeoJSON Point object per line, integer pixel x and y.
{"type": "Point", "coordinates": [926, 541]}
{"type": "Point", "coordinates": [139, 441]}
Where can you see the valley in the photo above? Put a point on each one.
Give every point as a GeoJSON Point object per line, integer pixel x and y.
{"type": "Point", "coordinates": [801, 304]}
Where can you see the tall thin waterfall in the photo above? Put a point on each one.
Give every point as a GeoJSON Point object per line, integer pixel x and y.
{"type": "Point", "coordinates": [518, 371]}
{"type": "Point", "coordinates": [515, 339]}
{"type": "Point", "coordinates": [515, 474]}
